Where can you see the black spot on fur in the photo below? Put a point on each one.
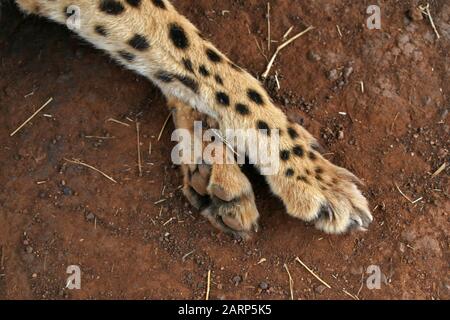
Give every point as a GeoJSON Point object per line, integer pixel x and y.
{"type": "Point", "coordinates": [262, 125]}
{"type": "Point", "coordinates": [289, 172]}
{"type": "Point", "coordinates": [218, 79]}
{"type": "Point", "coordinates": [188, 82]}
{"type": "Point", "coordinates": [298, 151]}
{"type": "Point", "coordinates": [164, 76]}
{"type": "Point", "coordinates": [127, 55]}
{"type": "Point", "coordinates": [285, 155]}
{"type": "Point", "coordinates": [213, 56]}
{"type": "Point", "coordinates": [318, 177]}
{"type": "Point", "coordinates": [159, 4]}
{"type": "Point", "coordinates": [134, 3]}
{"type": "Point", "coordinates": [255, 96]}
{"type": "Point", "coordinates": [178, 36]}
{"type": "Point", "coordinates": [312, 156]}
{"type": "Point", "coordinates": [139, 42]}
{"type": "Point", "coordinates": [188, 65]}
{"type": "Point", "coordinates": [222, 98]}
{"type": "Point", "coordinates": [319, 170]}
{"type": "Point", "coordinates": [101, 31]}
{"type": "Point", "coordinates": [112, 7]}
{"type": "Point", "coordinates": [292, 133]}
{"type": "Point", "coordinates": [242, 109]}
{"type": "Point", "coordinates": [203, 71]}
{"type": "Point", "coordinates": [303, 178]}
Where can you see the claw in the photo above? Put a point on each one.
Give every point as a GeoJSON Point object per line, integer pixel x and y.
{"type": "Point", "coordinates": [326, 212]}
{"type": "Point", "coordinates": [217, 221]}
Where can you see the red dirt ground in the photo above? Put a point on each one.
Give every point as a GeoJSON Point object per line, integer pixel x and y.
{"type": "Point", "coordinates": [54, 214]}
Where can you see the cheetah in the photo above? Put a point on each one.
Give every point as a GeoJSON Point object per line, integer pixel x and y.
{"type": "Point", "coordinates": [200, 83]}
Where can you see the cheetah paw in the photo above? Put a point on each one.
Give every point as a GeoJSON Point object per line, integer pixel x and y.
{"type": "Point", "coordinates": [225, 197]}
{"type": "Point", "coordinates": [316, 191]}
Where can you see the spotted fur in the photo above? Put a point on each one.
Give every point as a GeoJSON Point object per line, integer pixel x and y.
{"type": "Point", "coordinates": [153, 39]}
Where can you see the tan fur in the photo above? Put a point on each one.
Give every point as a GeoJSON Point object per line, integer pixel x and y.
{"type": "Point", "coordinates": [221, 191]}
{"type": "Point", "coordinates": [316, 191]}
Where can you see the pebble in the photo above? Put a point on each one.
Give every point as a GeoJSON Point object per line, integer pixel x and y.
{"type": "Point", "coordinates": [29, 249]}
{"type": "Point", "coordinates": [67, 191]}
{"type": "Point", "coordinates": [321, 288]}
{"type": "Point", "coordinates": [263, 285]}
{"type": "Point", "coordinates": [312, 56]}
{"type": "Point", "coordinates": [90, 216]}
{"type": "Point", "coordinates": [348, 72]}
{"type": "Point", "coordinates": [333, 75]}
{"type": "Point", "coordinates": [237, 280]}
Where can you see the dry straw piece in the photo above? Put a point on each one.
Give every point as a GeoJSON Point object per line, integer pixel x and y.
{"type": "Point", "coordinates": [138, 142]}
{"type": "Point", "coordinates": [208, 285]}
{"type": "Point", "coordinates": [281, 47]}
{"type": "Point", "coordinates": [76, 161]}
{"type": "Point", "coordinates": [31, 117]}
{"type": "Point", "coordinates": [164, 126]}
{"type": "Point", "coordinates": [312, 272]}
{"type": "Point", "coordinates": [426, 11]}
{"type": "Point", "coordinates": [291, 282]}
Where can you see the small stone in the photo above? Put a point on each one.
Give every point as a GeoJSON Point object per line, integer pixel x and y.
{"type": "Point", "coordinates": [263, 285]}
{"type": "Point", "coordinates": [90, 216]}
{"type": "Point", "coordinates": [426, 100]}
{"type": "Point", "coordinates": [312, 56]}
{"type": "Point", "coordinates": [200, 285]}
{"type": "Point", "coordinates": [320, 289]}
{"type": "Point", "coordinates": [67, 191]}
{"type": "Point", "coordinates": [34, 275]}
{"type": "Point", "coordinates": [29, 249]}
{"type": "Point", "coordinates": [348, 72]}
{"type": "Point", "coordinates": [341, 135]}
{"type": "Point", "coordinates": [237, 280]}
{"type": "Point", "coordinates": [333, 75]}
{"type": "Point", "coordinates": [442, 153]}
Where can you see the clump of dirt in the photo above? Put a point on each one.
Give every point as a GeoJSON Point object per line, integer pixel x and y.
{"type": "Point", "coordinates": [378, 101]}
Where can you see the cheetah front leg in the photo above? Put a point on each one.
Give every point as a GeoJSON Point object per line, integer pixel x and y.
{"type": "Point", "coordinates": [153, 39]}
{"type": "Point", "coordinates": [217, 188]}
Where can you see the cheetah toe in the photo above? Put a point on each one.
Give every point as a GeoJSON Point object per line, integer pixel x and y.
{"type": "Point", "coordinates": [225, 197]}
